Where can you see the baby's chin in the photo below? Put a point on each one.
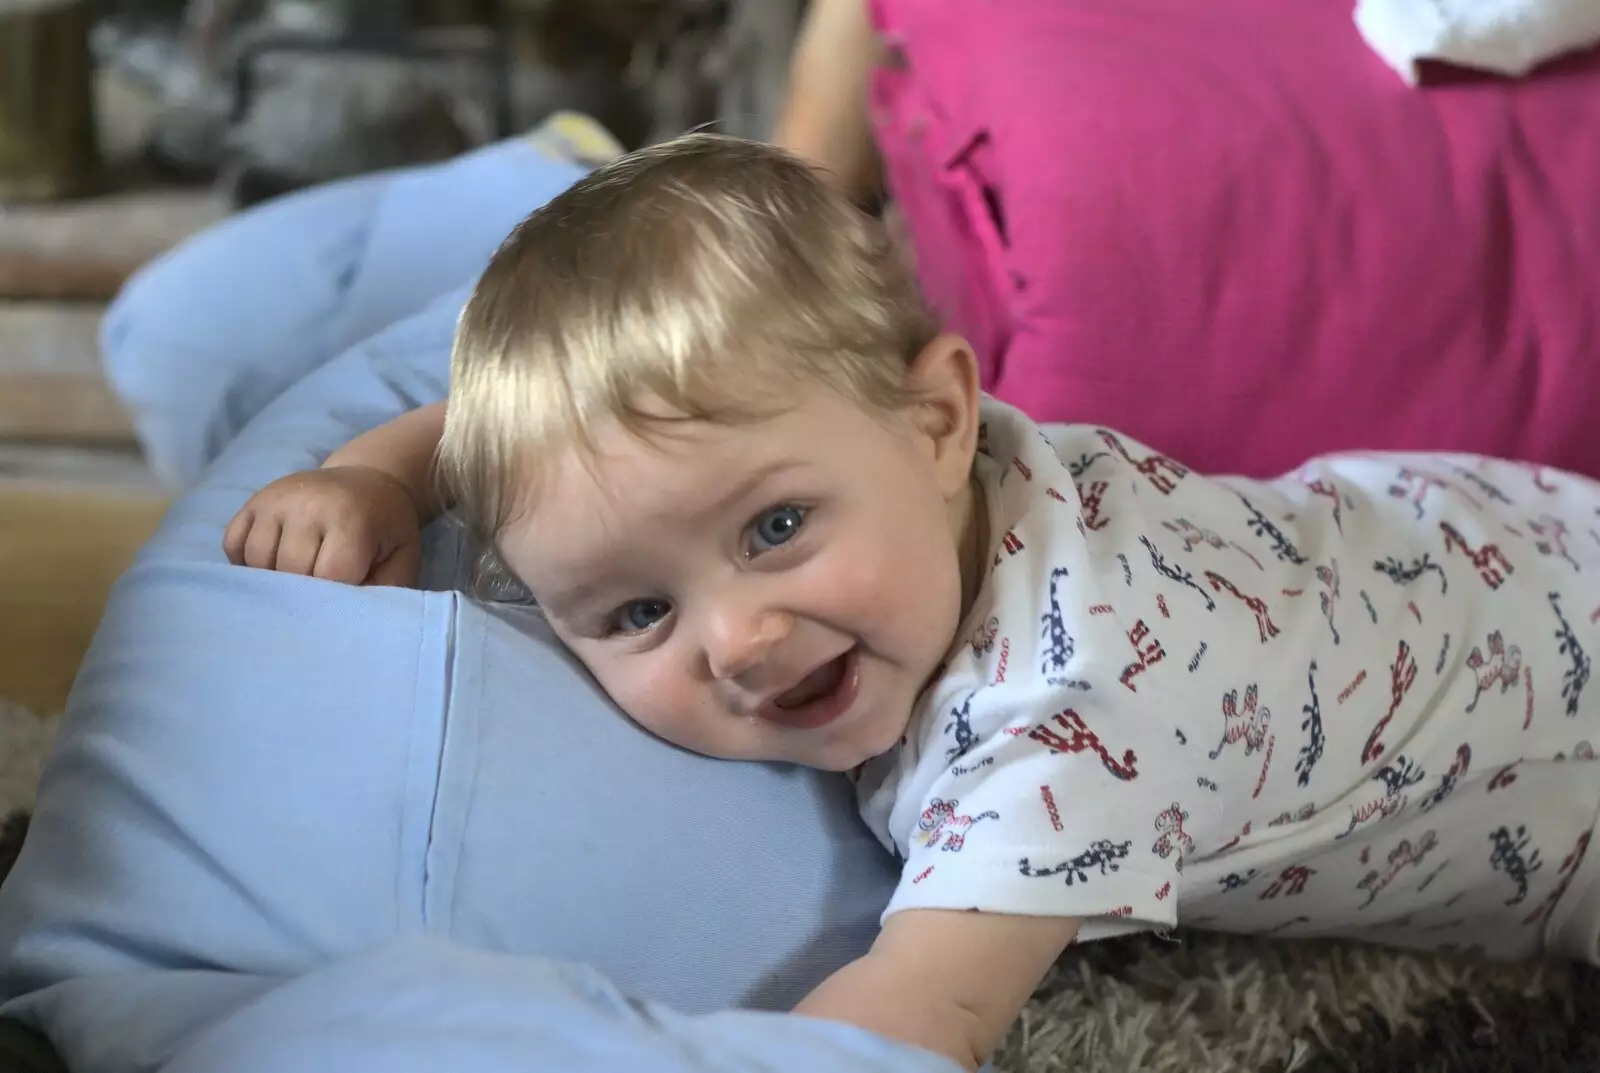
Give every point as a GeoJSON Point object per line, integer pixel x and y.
{"type": "Point", "coordinates": [873, 739]}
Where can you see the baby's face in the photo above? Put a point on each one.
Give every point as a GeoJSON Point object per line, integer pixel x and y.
{"type": "Point", "coordinates": [780, 590]}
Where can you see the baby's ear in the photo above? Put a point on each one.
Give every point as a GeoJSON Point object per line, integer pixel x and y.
{"type": "Point", "coordinates": [944, 379]}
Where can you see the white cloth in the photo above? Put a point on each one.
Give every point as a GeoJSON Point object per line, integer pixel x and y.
{"type": "Point", "coordinates": [1348, 701]}
{"type": "Point", "coordinates": [1508, 37]}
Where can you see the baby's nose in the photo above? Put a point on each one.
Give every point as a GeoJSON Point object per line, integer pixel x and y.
{"type": "Point", "coordinates": [738, 641]}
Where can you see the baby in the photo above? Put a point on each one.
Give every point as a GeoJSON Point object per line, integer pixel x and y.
{"type": "Point", "coordinates": [698, 411]}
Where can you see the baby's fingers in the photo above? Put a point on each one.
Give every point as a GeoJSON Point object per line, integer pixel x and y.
{"type": "Point", "coordinates": [233, 537]}
{"type": "Point", "coordinates": [298, 549]}
{"type": "Point", "coordinates": [344, 558]}
{"type": "Point", "coordinates": [261, 544]}
{"type": "Point", "coordinates": [401, 568]}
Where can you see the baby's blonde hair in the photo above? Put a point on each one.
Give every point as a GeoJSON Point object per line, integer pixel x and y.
{"type": "Point", "coordinates": [702, 275]}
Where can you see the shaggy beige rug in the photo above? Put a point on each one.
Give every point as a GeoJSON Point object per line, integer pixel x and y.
{"type": "Point", "coordinates": [24, 740]}
{"type": "Point", "coordinates": [1208, 1004]}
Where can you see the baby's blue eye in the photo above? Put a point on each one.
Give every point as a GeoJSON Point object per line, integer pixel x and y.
{"type": "Point", "coordinates": [777, 526]}
{"type": "Point", "coordinates": [640, 615]}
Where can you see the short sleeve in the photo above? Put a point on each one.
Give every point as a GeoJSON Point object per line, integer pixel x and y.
{"type": "Point", "coordinates": [1052, 816]}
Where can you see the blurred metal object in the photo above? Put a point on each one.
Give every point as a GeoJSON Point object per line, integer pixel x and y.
{"type": "Point", "coordinates": [326, 115]}
{"type": "Point", "coordinates": [691, 63]}
{"type": "Point", "coordinates": [386, 29]}
{"type": "Point", "coordinates": [48, 142]}
{"type": "Point", "coordinates": [749, 65]}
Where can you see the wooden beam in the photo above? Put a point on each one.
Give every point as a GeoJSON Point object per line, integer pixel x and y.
{"type": "Point", "coordinates": [60, 552]}
{"type": "Point", "coordinates": [50, 408]}
{"type": "Point", "coordinates": [51, 386]}
{"type": "Point", "coordinates": [29, 276]}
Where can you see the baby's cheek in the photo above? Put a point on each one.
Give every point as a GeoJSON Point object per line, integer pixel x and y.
{"type": "Point", "coordinates": [884, 581]}
{"type": "Point", "coordinates": [658, 698]}
{"type": "Point", "coordinates": [639, 692]}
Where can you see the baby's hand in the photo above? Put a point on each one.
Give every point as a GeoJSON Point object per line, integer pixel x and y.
{"type": "Point", "coordinates": [355, 524]}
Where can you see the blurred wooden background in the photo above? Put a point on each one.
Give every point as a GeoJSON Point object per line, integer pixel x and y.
{"type": "Point", "coordinates": [62, 544]}
{"type": "Point", "coordinates": [76, 499]}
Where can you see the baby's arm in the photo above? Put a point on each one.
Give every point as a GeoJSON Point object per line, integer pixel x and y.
{"type": "Point", "coordinates": [358, 518]}
{"type": "Point", "coordinates": [946, 981]}
{"type": "Point", "coordinates": [402, 449]}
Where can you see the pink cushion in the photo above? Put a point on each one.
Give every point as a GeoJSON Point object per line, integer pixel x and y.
{"type": "Point", "coordinates": [1230, 231]}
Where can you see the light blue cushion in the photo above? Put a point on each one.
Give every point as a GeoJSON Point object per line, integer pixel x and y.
{"type": "Point", "coordinates": [200, 340]}
{"type": "Point", "coordinates": [259, 773]}
{"type": "Point", "coordinates": [422, 1006]}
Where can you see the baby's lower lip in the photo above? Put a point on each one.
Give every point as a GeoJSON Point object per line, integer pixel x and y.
{"type": "Point", "coordinates": [825, 709]}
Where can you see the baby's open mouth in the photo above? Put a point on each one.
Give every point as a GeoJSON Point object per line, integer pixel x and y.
{"type": "Point", "coordinates": [819, 683]}
{"type": "Point", "coordinates": [820, 697]}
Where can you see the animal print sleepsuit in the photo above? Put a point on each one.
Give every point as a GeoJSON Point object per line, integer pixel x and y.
{"type": "Point", "coordinates": [1350, 701]}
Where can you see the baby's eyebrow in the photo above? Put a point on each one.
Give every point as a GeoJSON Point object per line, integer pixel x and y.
{"type": "Point", "coordinates": [562, 602]}
{"type": "Point", "coordinates": [742, 489]}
